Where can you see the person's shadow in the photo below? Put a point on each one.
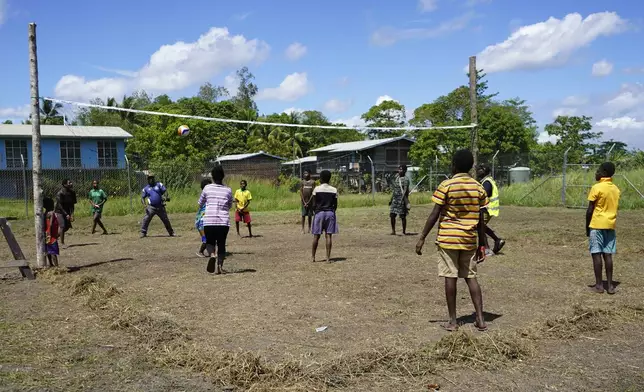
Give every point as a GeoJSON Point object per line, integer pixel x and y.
{"type": "Point", "coordinates": [470, 319]}
{"type": "Point", "coordinates": [80, 267]}
{"type": "Point", "coordinates": [605, 284]}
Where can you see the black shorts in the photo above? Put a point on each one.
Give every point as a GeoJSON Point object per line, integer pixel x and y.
{"type": "Point", "coordinates": [216, 236]}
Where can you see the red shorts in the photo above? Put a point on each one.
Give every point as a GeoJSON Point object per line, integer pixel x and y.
{"type": "Point", "coordinates": [242, 216]}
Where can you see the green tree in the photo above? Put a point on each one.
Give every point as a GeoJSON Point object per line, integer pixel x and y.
{"type": "Point", "coordinates": [8, 122]}
{"type": "Point", "coordinates": [246, 90]}
{"type": "Point", "coordinates": [574, 132]}
{"type": "Point", "coordinates": [210, 93]}
{"type": "Point", "coordinates": [390, 114]}
{"type": "Point", "coordinates": [50, 113]}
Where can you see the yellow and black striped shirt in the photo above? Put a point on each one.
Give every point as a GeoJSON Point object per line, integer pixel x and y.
{"type": "Point", "coordinates": [462, 198]}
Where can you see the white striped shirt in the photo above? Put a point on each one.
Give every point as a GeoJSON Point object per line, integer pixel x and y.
{"type": "Point", "coordinates": [218, 199]}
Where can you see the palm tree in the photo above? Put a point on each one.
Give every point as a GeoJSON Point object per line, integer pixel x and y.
{"type": "Point", "coordinates": [49, 112]}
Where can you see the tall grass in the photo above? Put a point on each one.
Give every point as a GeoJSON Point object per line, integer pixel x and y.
{"type": "Point", "coordinates": [543, 192]}
{"type": "Point", "coordinates": [268, 197]}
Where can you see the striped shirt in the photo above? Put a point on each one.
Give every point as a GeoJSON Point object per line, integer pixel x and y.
{"type": "Point", "coordinates": [218, 199]}
{"type": "Point", "coordinates": [462, 198]}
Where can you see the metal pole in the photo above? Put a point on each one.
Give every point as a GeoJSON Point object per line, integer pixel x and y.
{"type": "Point", "coordinates": [609, 151]}
{"type": "Point", "coordinates": [563, 177]}
{"type": "Point", "coordinates": [494, 163]}
{"type": "Point", "coordinates": [24, 185]}
{"type": "Point", "coordinates": [373, 180]}
{"type": "Point", "coordinates": [473, 110]}
{"type": "Point", "coordinates": [632, 185]}
{"type": "Point", "coordinates": [129, 182]}
{"type": "Point", "coordinates": [35, 147]}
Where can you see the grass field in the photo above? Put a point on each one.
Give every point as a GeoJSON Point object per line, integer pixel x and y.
{"type": "Point", "coordinates": [143, 315]}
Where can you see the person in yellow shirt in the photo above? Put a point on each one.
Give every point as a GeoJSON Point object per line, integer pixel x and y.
{"type": "Point", "coordinates": [242, 214]}
{"type": "Point", "coordinates": [601, 217]}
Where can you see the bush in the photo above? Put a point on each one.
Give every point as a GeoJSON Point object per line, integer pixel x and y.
{"type": "Point", "coordinates": [290, 182]}
{"type": "Point", "coordinates": [178, 173]}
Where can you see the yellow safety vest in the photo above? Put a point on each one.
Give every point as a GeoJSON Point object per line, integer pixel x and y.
{"type": "Point", "coordinates": [494, 205]}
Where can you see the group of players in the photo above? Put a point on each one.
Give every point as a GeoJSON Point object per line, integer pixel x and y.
{"type": "Point", "coordinates": [463, 207]}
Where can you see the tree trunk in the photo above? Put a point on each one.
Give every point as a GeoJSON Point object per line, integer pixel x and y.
{"type": "Point", "coordinates": [35, 147]}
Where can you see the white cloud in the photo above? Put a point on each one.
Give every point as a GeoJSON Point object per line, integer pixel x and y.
{"type": "Point", "coordinates": [386, 36]}
{"type": "Point", "coordinates": [292, 88]}
{"type": "Point", "coordinates": [544, 137]}
{"type": "Point", "coordinates": [354, 121]}
{"type": "Point", "coordinates": [621, 123]}
{"type": "Point", "coordinates": [564, 112]}
{"type": "Point", "coordinates": [231, 83]}
{"type": "Point", "coordinates": [243, 16]}
{"type": "Point", "coordinates": [575, 100]}
{"type": "Point", "coordinates": [74, 87]}
{"type": "Point", "coordinates": [427, 5]}
{"type": "Point", "coordinates": [384, 98]}
{"type": "Point", "coordinates": [16, 112]}
{"type": "Point", "coordinates": [293, 110]}
{"type": "Point", "coordinates": [121, 72]}
{"type": "Point", "coordinates": [634, 70]}
{"type": "Point", "coordinates": [549, 43]}
{"type": "Point", "coordinates": [602, 68]}
{"type": "Point", "coordinates": [630, 97]}
{"type": "Point", "coordinates": [173, 67]}
{"type": "Point", "coordinates": [337, 105]}
{"type": "Point", "coordinates": [295, 51]}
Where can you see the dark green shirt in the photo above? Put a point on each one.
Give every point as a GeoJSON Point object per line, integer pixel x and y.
{"type": "Point", "coordinates": [97, 196]}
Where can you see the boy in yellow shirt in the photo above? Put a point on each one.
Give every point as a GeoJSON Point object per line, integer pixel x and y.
{"type": "Point", "coordinates": [601, 217]}
{"type": "Point", "coordinates": [242, 214]}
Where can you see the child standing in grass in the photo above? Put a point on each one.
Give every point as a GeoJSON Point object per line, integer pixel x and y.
{"type": "Point", "coordinates": [51, 232]}
{"type": "Point", "coordinates": [199, 220]}
{"type": "Point", "coordinates": [325, 203]}
{"type": "Point", "coordinates": [601, 218]}
{"type": "Point", "coordinates": [458, 209]}
{"type": "Point", "coordinates": [242, 213]}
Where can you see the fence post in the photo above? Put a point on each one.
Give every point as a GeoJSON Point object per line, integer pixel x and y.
{"type": "Point", "coordinates": [25, 191]}
{"type": "Point", "coordinates": [563, 177]}
{"type": "Point", "coordinates": [609, 152]}
{"type": "Point", "coordinates": [373, 180]}
{"type": "Point", "coordinates": [494, 163]}
{"type": "Point", "coordinates": [129, 182]}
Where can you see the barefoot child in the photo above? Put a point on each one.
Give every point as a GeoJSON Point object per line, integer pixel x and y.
{"type": "Point", "coordinates": [97, 198]}
{"type": "Point", "coordinates": [458, 203]}
{"type": "Point", "coordinates": [306, 195]}
{"type": "Point", "coordinates": [199, 220]}
{"type": "Point", "coordinates": [601, 218]}
{"type": "Point", "coordinates": [51, 232]}
{"type": "Point", "coordinates": [242, 214]}
{"type": "Point", "coordinates": [325, 203]}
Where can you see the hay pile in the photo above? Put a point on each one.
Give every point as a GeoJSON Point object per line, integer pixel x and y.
{"type": "Point", "coordinates": [166, 344]}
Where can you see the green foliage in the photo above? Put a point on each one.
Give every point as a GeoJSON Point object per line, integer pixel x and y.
{"type": "Point", "coordinates": [178, 173]}
{"type": "Point", "coordinates": [338, 182]}
{"type": "Point", "coordinates": [387, 114]}
{"type": "Point", "coordinates": [290, 182]}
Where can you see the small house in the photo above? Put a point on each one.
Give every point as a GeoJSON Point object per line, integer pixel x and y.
{"type": "Point", "coordinates": [258, 164]}
{"type": "Point", "coordinates": [300, 165]}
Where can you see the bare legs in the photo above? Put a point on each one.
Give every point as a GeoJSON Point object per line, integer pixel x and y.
{"type": "Point", "coordinates": [477, 301]}
{"type": "Point", "coordinates": [597, 267]}
{"type": "Point", "coordinates": [329, 245]}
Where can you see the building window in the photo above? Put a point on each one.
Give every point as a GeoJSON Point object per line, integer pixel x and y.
{"type": "Point", "coordinates": [391, 156]}
{"type": "Point", "coordinates": [107, 154]}
{"type": "Point", "coordinates": [404, 156]}
{"type": "Point", "coordinates": [14, 148]}
{"type": "Point", "coordinates": [70, 153]}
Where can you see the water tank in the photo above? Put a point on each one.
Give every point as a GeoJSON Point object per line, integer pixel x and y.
{"type": "Point", "coordinates": [519, 175]}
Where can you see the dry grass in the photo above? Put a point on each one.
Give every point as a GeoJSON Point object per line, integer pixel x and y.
{"type": "Point", "coordinates": [255, 331]}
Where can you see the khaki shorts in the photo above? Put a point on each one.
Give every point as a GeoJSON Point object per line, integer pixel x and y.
{"type": "Point", "coordinates": [456, 263]}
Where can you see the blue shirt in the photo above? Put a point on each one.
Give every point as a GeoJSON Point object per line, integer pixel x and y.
{"type": "Point", "coordinates": [154, 193]}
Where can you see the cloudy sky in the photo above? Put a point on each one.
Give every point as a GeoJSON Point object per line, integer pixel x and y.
{"type": "Point", "coordinates": [564, 57]}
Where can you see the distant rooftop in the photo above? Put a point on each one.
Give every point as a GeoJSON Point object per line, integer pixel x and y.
{"type": "Point", "coordinates": [64, 131]}
{"type": "Point", "coordinates": [302, 160]}
{"type": "Point", "coordinates": [359, 146]}
{"type": "Point", "coordinates": [240, 157]}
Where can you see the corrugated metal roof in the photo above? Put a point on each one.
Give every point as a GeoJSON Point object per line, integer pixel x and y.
{"type": "Point", "coordinates": [64, 131]}
{"type": "Point", "coordinates": [239, 157]}
{"type": "Point", "coordinates": [359, 146]}
{"type": "Point", "coordinates": [301, 160]}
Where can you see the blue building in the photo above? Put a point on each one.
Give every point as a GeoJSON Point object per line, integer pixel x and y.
{"type": "Point", "coordinates": [64, 147]}
{"type": "Point", "coordinates": [75, 152]}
